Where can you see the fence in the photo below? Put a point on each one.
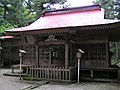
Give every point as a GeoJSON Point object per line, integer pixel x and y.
{"type": "Point", "coordinates": [52, 73]}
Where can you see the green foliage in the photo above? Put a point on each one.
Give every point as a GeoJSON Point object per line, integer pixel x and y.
{"type": "Point", "coordinates": [37, 6]}
{"type": "Point", "coordinates": [4, 25]}
{"type": "Point", "coordinates": [112, 8]}
{"type": "Point", "coordinates": [117, 8]}
{"type": "Point", "coordinates": [19, 13]}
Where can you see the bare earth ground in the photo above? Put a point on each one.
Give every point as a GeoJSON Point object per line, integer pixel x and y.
{"type": "Point", "coordinates": [13, 83]}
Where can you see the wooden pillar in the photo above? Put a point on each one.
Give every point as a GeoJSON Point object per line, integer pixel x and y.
{"type": "Point", "coordinates": [107, 54]}
{"type": "Point", "coordinates": [71, 60]}
{"type": "Point", "coordinates": [1, 63]}
{"type": "Point", "coordinates": [66, 54]}
{"type": "Point", "coordinates": [116, 46]}
{"type": "Point", "coordinates": [108, 60]}
{"type": "Point", "coordinates": [50, 56]}
{"type": "Point", "coordinates": [22, 47]}
{"type": "Point", "coordinates": [10, 51]}
{"type": "Point", "coordinates": [37, 55]}
{"type": "Point", "coordinates": [119, 74]}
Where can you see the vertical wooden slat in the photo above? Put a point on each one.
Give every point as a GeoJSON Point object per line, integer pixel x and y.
{"type": "Point", "coordinates": [40, 71]}
{"type": "Point", "coordinates": [63, 72]}
{"type": "Point", "coordinates": [60, 73]}
{"type": "Point", "coordinates": [51, 72]}
{"type": "Point", "coordinates": [66, 73]}
{"type": "Point", "coordinates": [32, 71]}
{"type": "Point", "coordinates": [37, 71]}
{"type": "Point", "coordinates": [54, 72]}
{"type": "Point", "coordinates": [57, 74]}
{"type": "Point", "coordinates": [69, 73]}
{"type": "Point", "coordinates": [45, 72]}
{"type": "Point", "coordinates": [48, 70]}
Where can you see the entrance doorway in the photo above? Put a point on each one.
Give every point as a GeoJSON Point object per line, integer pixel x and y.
{"type": "Point", "coordinates": [52, 54]}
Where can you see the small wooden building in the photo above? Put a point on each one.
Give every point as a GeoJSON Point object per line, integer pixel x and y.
{"type": "Point", "coordinates": [52, 41]}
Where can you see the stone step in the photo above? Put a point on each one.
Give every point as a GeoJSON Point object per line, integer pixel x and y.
{"type": "Point", "coordinates": [37, 84]}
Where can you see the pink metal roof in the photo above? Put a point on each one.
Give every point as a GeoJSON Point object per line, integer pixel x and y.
{"type": "Point", "coordinates": [6, 37]}
{"type": "Point", "coordinates": [71, 19]}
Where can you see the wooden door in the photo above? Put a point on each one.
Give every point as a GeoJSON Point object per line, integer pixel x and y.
{"type": "Point", "coordinates": [58, 55]}
{"type": "Point", "coordinates": [51, 55]}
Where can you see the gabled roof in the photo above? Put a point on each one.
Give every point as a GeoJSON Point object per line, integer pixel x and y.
{"type": "Point", "coordinates": [70, 17]}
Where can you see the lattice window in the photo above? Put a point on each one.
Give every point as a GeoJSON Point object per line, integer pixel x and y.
{"type": "Point", "coordinates": [94, 51]}
{"type": "Point", "coordinates": [43, 52]}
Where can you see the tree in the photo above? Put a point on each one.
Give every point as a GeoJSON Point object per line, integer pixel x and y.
{"type": "Point", "coordinates": [117, 8]}
{"type": "Point", "coordinates": [19, 13]}
{"type": "Point", "coordinates": [112, 8]}
{"type": "Point", "coordinates": [4, 26]}
{"type": "Point", "coordinates": [37, 6]}
{"type": "Point", "coordinates": [16, 13]}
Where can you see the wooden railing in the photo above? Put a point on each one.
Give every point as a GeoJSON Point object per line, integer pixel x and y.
{"type": "Point", "coordinates": [52, 73]}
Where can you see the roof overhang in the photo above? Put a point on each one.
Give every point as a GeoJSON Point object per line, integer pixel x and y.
{"type": "Point", "coordinates": [77, 17]}
{"type": "Point", "coordinates": [7, 37]}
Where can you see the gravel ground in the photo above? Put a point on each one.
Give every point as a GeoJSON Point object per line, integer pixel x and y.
{"type": "Point", "coordinates": [81, 86]}
{"type": "Point", "coordinates": [10, 83]}
{"type": "Point", "coordinates": [13, 83]}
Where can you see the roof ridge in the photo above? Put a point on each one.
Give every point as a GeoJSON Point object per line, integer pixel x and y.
{"type": "Point", "coordinates": [73, 9]}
